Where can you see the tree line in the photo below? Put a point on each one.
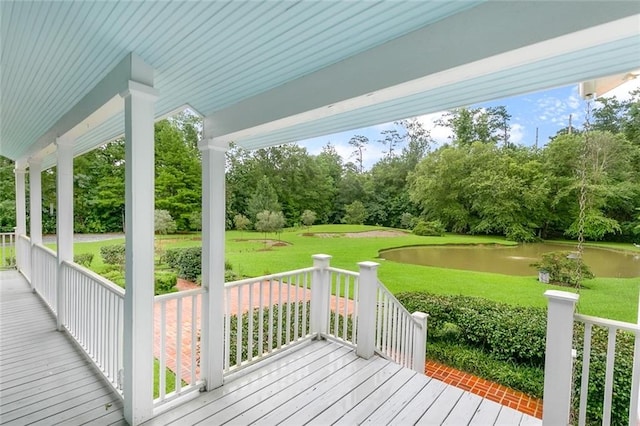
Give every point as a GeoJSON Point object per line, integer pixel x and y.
{"type": "Point", "coordinates": [479, 182]}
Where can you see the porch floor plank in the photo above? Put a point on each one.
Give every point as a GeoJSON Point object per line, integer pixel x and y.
{"type": "Point", "coordinates": [45, 380]}
{"type": "Point", "coordinates": [43, 377]}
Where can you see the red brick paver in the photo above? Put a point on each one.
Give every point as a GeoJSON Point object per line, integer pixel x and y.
{"type": "Point", "coordinates": [486, 389]}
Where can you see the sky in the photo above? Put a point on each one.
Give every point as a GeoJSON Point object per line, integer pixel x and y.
{"type": "Point", "coordinates": [548, 111]}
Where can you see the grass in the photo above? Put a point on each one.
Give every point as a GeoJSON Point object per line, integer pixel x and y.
{"type": "Point", "coordinates": [614, 298]}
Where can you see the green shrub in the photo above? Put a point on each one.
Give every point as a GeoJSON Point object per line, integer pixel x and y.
{"type": "Point", "coordinates": [521, 234]}
{"type": "Point", "coordinates": [116, 276]}
{"type": "Point", "coordinates": [165, 282]}
{"type": "Point", "coordinates": [189, 263]}
{"type": "Point", "coordinates": [170, 257]}
{"type": "Point", "coordinates": [83, 259]}
{"type": "Point", "coordinates": [506, 344]}
{"type": "Point", "coordinates": [562, 269]}
{"type": "Point", "coordinates": [113, 254]}
{"type": "Point", "coordinates": [429, 229]}
{"type": "Point", "coordinates": [508, 333]}
{"type": "Point", "coordinates": [527, 379]}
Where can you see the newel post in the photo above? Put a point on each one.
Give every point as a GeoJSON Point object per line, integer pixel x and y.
{"type": "Point", "coordinates": [64, 222]}
{"type": "Point", "coordinates": [35, 217]}
{"type": "Point", "coordinates": [367, 295]}
{"type": "Point", "coordinates": [320, 289]}
{"type": "Point", "coordinates": [558, 364]}
{"type": "Point", "coordinates": [419, 341]}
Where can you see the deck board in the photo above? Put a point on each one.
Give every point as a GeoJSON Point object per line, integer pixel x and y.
{"type": "Point", "coordinates": [44, 379]}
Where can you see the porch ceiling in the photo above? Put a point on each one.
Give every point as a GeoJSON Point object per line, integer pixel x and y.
{"type": "Point", "coordinates": [237, 62]}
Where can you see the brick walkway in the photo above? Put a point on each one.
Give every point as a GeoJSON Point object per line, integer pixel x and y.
{"type": "Point", "coordinates": [486, 389]}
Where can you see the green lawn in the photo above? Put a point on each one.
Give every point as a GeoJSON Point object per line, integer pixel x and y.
{"type": "Point", "coordinates": [614, 298]}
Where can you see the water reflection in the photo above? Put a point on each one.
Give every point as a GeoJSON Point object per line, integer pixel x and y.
{"type": "Point", "coordinates": [513, 260]}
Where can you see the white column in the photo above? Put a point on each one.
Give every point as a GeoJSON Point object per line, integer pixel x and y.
{"type": "Point", "coordinates": [64, 219]}
{"type": "Point", "coordinates": [558, 363]}
{"type": "Point", "coordinates": [419, 341]}
{"type": "Point", "coordinates": [35, 201]}
{"type": "Point", "coordinates": [320, 295]}
{"type": "Point", "coordinates": [21, 215]}
{"type": "Point", "coordinates": [139, 264]}
{"type": "Point", "coordinates": [367, 292]}
{"type": "Point", "coordinates": [213, 252]}
{"type": "Point", "coordinates": [35, 215]}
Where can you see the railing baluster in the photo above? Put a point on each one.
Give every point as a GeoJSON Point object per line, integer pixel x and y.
{"type": "Point", "coordinates": [250, 325]}
{"type": "Point", "coordinates": [270, 335]}
{"type": "Point", "coordinates": [227, 331]}
{"type": "Point", "coordinates": [584, 384]}
{"type": "Point", "coordinates": [261, 318]}
{"type": "Point", "coordinates": [178, 325]}
{"type": "Point", "coordinates": [608, 382]}
{"type": "Point", "coordinates": [336, 309]}
{"type": "Point", "coordinates": [297, 309]}
{"type": "Point", "coordinates": [239, 328]}
{"type": "Point", "coordinates": [279, 345]}
{"type": "Point", "coordinates": [194, 337]}
{"type": "Point", "coordinates": [305, 287]}
{"type": "Point", "coordinates": [163, 350]}
{"type": "Point", "coordinates": [346, 308]}
{"type": "Point", "coordinates": [288, 318]}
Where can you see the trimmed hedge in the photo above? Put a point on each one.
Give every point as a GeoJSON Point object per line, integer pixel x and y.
{"type": "Point", "coordinates": [165, 282]}
{"type": "Point", "coordinates": [429, 229]}
{"type": "Point", "coordinates": [113, 254]}
{"type": "Point", "coordinates": [506, 344]}
{"type": "Point", "coordinates": [187, 262]}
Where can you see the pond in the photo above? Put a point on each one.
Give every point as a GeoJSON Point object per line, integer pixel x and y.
{"type": "Point", "coordinates": [513, 260]}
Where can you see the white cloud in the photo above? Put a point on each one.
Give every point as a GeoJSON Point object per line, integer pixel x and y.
{"type": "Point", "coordinates": [517, 133]}
{"type": "Point", "coordinates": [440, 134]}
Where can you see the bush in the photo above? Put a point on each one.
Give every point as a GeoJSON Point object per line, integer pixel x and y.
{"type": "Point", "coordinates": [83, 259]}
{"type": "Point", "coordinates": [521, 234]}
{"type": "Point", "coordinates": [189, 263]}
{"type": "Point", "coordinates": [170, 257]}
{"type": "Point", "coordinates": [165, 282]}
{"type": "Point", "coordinates": [562, 269]}
{"type": "Point", "coordinates": [433, 229]}
{"type": "Point", "coordinates": [508, 333]}
{"type": "Point", "coordinates": [506, 344]}
{"type": "Point", "coordinates": [524, 378]}
{"type": "Point", "coordinates": [113, 255]}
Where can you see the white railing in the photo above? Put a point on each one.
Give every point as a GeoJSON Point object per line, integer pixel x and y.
{"type": "Point", "coordinates": [23, 247]}
{"type": "Point", "coordinates": [7, 250]}
{"type": "Point", "coordinates": [400, 336]}
{"type": "Point", "coordinates": [264, 315]}
{"type": "Point", "coordinates": [613, 329]}
{"type": "Point", "coordinates": [343, 305]}
{"type": "Point", "coordinates": [44, 275]}
{"type": "Point", "coordinates": [177, 327]}
{"type": "Point", "coordinates": [94, 317]}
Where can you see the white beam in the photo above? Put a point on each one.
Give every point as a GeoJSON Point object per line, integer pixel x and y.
{"type": "Point", "coordinates": [101, 103]}
{"type": "Point", "coordinates": [139, 263]}
{"type": "Point", "coordinates": [490, 38]}
{"type": "Point", "coordinates": [213, 252]}
{"type": "Point", "coordinates": [64, 219]}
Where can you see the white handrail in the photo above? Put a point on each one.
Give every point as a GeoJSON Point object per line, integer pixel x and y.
{"type": "Point", "coordinates": [400, 336]}
{"type": "Point", "coordinates": [44, 274]}
{"type": "Point", "coordinates": [95, 319]}
{"type": "Point", "coordinates": [177, 328]}
{"type": "Point", "coordinates": [613, 327]}
{"type": "Point", "coordinates": [7, 250]}
{"type": "Point", "coordinates": [24, 256]}
{"type": "Point", "coordinates": [264, 315]}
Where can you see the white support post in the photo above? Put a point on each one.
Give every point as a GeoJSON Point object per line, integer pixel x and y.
{"type": "Point", "coordinates": [35, 214]}
{"type": "Point", "coordinates": [21, 214]}
{"type": "Point", "coordinates": [213, 252]}
{"type": "Point", "coordinates": [367, 295]}
{"type": "Point", "coordinates": [139, 263]}
{"type": "Point", "coordinates": [419, 341]}
{"type": "Point", "coordinates": [64, 220]}
{"type": "Point", "coordinates": [320, 289]}
{"type": "Point", "coordinates": [558, 357]}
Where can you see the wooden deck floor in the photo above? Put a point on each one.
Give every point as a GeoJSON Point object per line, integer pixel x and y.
{"type": "Point", "coordinates": [44, 379]}
{"type": "Point", "coordinates": [326, 383]}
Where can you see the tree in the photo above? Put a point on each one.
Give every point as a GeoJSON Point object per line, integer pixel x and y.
{"type": "Point", "coordinates": [163, 222]}
{"type": "Point", "coordinates": [269, 221]}
{"type": "Point", "coordinates": [391, 139]}
{"type": "Point", "coordinates": [241, 222]}
{"type": "Point", "coordinates": [308, 217]}
{"type": "Point", "coordinates": [359, 142]}
{"type": "Point", "coordinates": [355, 213]}
{"type": "Point", "coordinates": [263, 199]}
